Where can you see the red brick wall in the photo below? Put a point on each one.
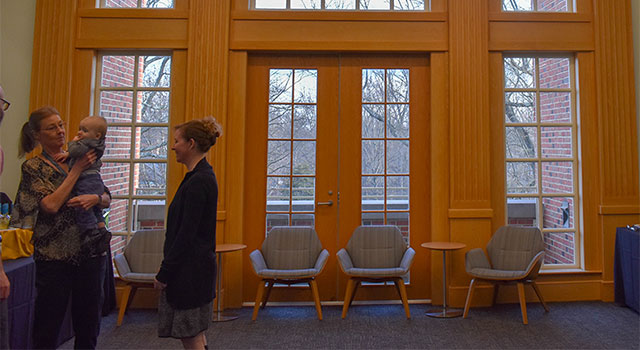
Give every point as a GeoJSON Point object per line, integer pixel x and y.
{"type": "Point", "coordinates": [556, 142]}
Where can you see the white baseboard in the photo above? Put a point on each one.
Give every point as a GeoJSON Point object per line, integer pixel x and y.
{"type": "Point", "coordinates": [338, 303]}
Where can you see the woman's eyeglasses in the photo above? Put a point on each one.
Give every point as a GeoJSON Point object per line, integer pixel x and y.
{"type": "Point", "coordinates": [5, 104]}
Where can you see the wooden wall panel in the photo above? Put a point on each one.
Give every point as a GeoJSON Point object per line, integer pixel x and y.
{"type": "Point", "coordinates": [53, 55]}
{"type": "Point", "coordinates": [439, 165]}
{"type": "Point", "coordinates": [343, 35]}
{"type": "Point", "coordinates": [206, 94]}
{"type": "Point", "coordinates": [132, 33]}
{"type": "Point", "coordinates": [539, 35]}
{"type": "Point", "coordinates": [616, 104]}
{"type": "Point", "coordinates": [207, 64]}
{"type": "Point", "coordinates": [469, 108]}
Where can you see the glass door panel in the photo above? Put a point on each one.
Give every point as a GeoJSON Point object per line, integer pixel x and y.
{"type": "Point", "coordinates": [335, 142]}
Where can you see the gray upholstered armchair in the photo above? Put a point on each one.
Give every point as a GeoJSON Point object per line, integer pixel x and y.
{"type": "Point", "coordinates": [139, 264]}
{"type": "Point", "coordinates": [375, 254]}
{"type": "Point", "coordinates": [515, 256]}
{"type": "Point", "coordinates": [289, 255]}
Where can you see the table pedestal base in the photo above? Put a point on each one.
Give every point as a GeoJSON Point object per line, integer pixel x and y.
{"type": "Point", "coordinates": [221, 316]}
{"type": "Point", "coordinates": [444, 313]}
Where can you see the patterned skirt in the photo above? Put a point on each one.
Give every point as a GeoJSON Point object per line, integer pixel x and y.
{"type": "Point", "coordinates": [180, 324]}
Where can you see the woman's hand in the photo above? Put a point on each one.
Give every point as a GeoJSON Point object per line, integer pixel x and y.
{"type": "Point", "coordinates": [84, 201]}
{"type": "Point", "coordinates": [85, 162]}
{"type": "Point", "coordinates": [61, 157]}
{"type": "Point", "coordinates": [159, 285]}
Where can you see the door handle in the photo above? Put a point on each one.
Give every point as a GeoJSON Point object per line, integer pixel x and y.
{"type": "Point", "coordinates": [329, 203]}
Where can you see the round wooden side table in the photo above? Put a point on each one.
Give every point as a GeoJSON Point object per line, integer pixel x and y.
{"type": "Point", "coordinates": [444, 247]}
{"type": "Point", "coordinates": [219, 315]}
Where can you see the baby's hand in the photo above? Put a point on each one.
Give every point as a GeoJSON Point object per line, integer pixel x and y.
{"type": "Point", "coordinates": [61, 157]}
{"type": "Point", "coordinates": [76, 138]}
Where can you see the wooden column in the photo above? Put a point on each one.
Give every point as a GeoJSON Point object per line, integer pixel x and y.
{"type": "Point", "coordinates": [51, 70]}
{"type": "Point", "coordinates": [470, 187]}
{"type": "Point", "coordinates": [207, 85]}
{"type": "Point", "coordinates": [618, 136]}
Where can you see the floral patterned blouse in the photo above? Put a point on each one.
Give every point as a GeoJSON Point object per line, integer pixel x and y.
{"type": "Point", "coordinates": [55, 236]}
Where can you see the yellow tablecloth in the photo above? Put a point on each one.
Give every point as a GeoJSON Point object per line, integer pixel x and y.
{"type": "Point", "coordinates": [16, 243]}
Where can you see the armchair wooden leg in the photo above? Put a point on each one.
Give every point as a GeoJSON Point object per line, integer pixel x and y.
{"type": "Point", "coordinates": [355, 290]}
{"type": "Point", "coordinates": [124, 301]}
{"type": "Point", "coordinates": [537, 290]}
{"type": "Point", "coordinates": [496, 288]}
{"type": "Point", "coordinates": [266, 296]}
{"type": "Point", "coordinates": [316, 297]}
{"type": "Point", "coordinates": [259, 295]}
{"type": "Point", "coordinates": [467, 304]}
{"type": "Point", "coordinates": [347, 297]}
{"type": "Point", "coordinates": [403, 295]}
{"type": "Point", "coordinates": [523, 303]}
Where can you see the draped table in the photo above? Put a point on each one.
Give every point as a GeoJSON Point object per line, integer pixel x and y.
{"type": "Point", "coordinates": [21, 271]}
{"type": "Point", "coordinates": [626, 268]}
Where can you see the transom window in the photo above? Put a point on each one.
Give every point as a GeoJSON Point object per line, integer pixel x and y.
{"type": "Point", "coordinates": [542, 152]}
{"type": "Point", "coordinates": [388, 5]}
{"type": "Point", "coordinates": [538, 5]}
{"type": "Point", "coordinates": [385, 148]}
{"type": "Point", "coordinates": [133, 94]}
{"type": "Point", "coordinates": [136, 3]}
{"type": "Point", "coordinates": [291, 159]}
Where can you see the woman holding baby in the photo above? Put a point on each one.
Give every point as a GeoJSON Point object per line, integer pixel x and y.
{"type": "Point", "coordinates": [67, 263]}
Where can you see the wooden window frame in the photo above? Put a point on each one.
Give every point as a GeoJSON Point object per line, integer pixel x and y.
{"type": "Point", "coordinates": [132, 161]}
{"type": "Point", "coordinates": [577, 228]}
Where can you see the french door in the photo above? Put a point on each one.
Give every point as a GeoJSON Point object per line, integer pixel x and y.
{"type": "Point", "coordinates": [334, 142]}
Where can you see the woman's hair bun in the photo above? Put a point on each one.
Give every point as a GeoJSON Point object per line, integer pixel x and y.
{"type": "Point", "coordinates": [212, 126]}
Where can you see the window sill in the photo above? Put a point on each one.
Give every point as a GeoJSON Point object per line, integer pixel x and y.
{"type": "Point", "coordinates": [569, 272]}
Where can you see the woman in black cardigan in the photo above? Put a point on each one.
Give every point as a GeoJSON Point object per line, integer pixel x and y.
{"type": "Point", "coordinates": [187, 275]}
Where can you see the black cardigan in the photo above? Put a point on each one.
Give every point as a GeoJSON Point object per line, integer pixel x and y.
{"type": "Point", "coordinates": [189, 265]}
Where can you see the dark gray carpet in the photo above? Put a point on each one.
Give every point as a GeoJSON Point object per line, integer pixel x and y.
{"type": "Point", "coordinates": [578, 325]}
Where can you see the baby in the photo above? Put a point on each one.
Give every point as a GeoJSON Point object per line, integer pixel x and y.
{"type": "Point", "coordinates": [91, 136]}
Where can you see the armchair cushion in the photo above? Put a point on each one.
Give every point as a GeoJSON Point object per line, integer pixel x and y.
{"type": "Point", "coordinates": [290, 253]}
{"type": "Point", "coordinates": [288, 248]}
{"type": "Point", "coordinates": [475, 258]}
{"type": "Point", "coordinates": [376, 252]}
{"type": "Point", "coordinates": [344, 259]}
{"type": "Point", "coordinates": [376, 247]}
{"type": "Point", "coordinates": [142, 256]}
{"type": "Point", "coordinates": [515, 253]}
{"type": "Point", "coordinates": [514, 247]}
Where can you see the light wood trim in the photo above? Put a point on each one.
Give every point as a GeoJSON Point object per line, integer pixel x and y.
{"type": "Point", "coordinates": [51, 71]}
{"type": "Point", "coordinates": [235, 174]}
{"type": "Point", "coordinates": [589, 159]}
{"type": "Point", "coordinates": [498, 167]}
{"type": "Point", "coordinates": [550, 36]}
{"type": "Point", "coordinates": [616, 104]}
{"type": "Point", "coordinates": [338, 35]}
{"type": "Point", "coordinates": [619, 209]}
{"type": "Point", "coordinates": [175, 170]}
{"type": "Point", "coordinates": [470, 213]}
{"type": "Point", "coordinates": [134, 33]}
{"type": "Point", "coordinates": [81, 88]}
{"type": "Point", "coordinates": [553, 291]}
{"type": "Point", "coordinates": [469, 118]}
{"type": "Point", "coordinates": [131, 13]}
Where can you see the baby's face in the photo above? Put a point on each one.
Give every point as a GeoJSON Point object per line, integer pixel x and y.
{"type": "Point", "coordinates": [88, 129]}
